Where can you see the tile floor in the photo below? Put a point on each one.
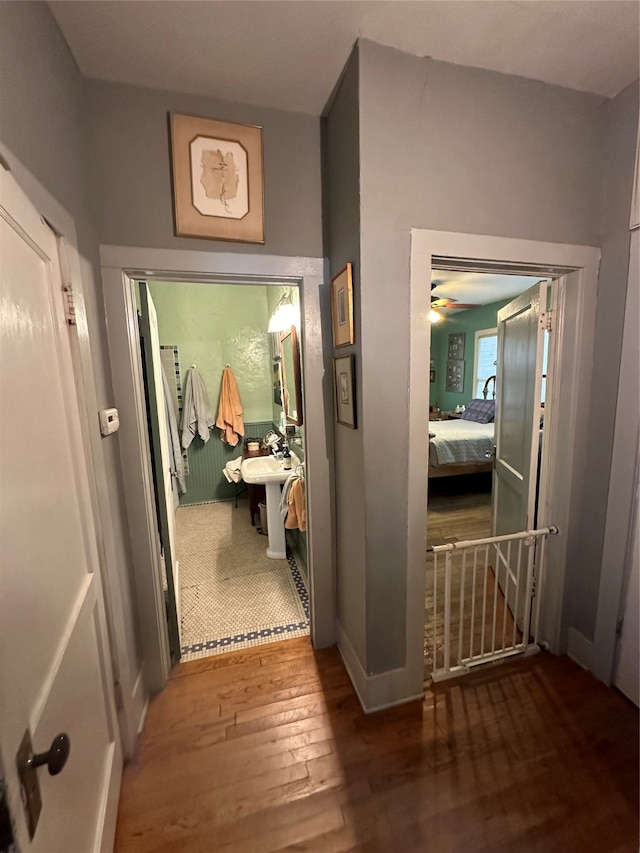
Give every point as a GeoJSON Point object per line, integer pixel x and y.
{"type": "Point", "coordinates": [232, 595]}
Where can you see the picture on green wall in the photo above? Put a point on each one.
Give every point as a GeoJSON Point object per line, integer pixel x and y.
{"type": "Point", "coordinates": [456, 346]}
{"type": "Point", "coordinates": [455, 375]}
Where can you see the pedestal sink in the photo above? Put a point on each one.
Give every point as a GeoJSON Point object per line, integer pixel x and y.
{"type": "Point", "coordinates": [271, 473]}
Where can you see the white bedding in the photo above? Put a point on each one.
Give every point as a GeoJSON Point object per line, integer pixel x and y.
{"type": "Point", "coordinates": [458, 442]}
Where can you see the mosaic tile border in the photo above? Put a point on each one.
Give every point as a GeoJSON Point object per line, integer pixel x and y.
{"type": "Point", "coordinates": [244, 639]}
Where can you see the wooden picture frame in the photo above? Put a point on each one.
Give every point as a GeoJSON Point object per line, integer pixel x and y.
{"type": "Point", "coordinates": [344, 383]}
{"type": "Point", "coordinates": [342, 307]}
{"type": "Point", "coordinates": [455, 375]}
{"type": "Point", "coordinates": [217, 178]}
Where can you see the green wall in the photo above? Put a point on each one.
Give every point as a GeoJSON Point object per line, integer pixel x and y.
{"type": "Point", "coordinates": [213, 324]}
{"type": "Point", "coordinates": [468, 322]}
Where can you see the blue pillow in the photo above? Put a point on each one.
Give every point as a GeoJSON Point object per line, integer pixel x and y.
{"type": "Point", "coordinates": [480, 411]}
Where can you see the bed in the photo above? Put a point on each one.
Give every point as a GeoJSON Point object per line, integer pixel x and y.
{"type": "Point", "coordinates": [459, 447]}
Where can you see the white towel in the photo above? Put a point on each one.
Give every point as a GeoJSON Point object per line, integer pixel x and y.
{"type": "Point", "coordinates": [284, 497]}
{"type": "Point", "coordinates": [232, 470]}
{"type": "Point", "coordinates": [196, 415]}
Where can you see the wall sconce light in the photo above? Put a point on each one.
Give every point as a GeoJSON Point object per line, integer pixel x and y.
{"type": "Point", "coordinates": [285, 315]}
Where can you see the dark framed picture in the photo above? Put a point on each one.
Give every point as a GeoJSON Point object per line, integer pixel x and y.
{"type": "Point", "coordinates": [342, 307]}
{"type": "Point", "coordinates": [456, 345]}
{"type": "Point", "coordinates": [455, 375]}
{"type": "Point", "coordinates": [218, 185]}
{"type": "Point", "coordinates": [345, 386]}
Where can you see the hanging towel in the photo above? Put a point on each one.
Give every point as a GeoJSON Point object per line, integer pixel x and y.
{"type": "Point", "coordinates": [177, 462]}
{"type": "Point", "coordinates": [297, 516]}
{"type": "Point", "coordinates": [232, 470]}
{"type": "Point", "coordinates": [196, 414]}
{"type": "Point", "coordinates": [284, 495]}
{"type": "Point", "coordinates": [229, 420]}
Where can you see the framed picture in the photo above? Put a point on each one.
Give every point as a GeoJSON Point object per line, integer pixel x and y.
{"type": "Point", "coordinates": [344, 381]}
{"type": "Point", "coordinates": [455, 375]}
{"type": "Point", "coordinates": [456, 345]}
{"type": "Point", "coordinates": [218, 186]}
{"type": "Point", "coordinates": [342, 307]}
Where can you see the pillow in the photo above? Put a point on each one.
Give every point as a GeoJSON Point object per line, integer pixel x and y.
{"type": "Point", "coordinates": [480, 411]}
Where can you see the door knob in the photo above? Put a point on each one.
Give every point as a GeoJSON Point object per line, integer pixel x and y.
{"type": "Point", "coordinates": [56, 756]}
{"type": "Point", "coordinates": [28, 762]}
{"type": "Point", "coordinates": [490, 454]}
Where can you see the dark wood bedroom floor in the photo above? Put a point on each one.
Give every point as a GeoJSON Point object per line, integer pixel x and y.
{"type": "Point", "coordinates": [459, 508]}
{"type": "Point", "coordinates": [267, 749]}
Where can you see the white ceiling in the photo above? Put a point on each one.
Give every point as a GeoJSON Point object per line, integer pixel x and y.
{"type": "Point", "coordinates": [289, 55]}
{"type": "Point", "coordinates": [477, 288]}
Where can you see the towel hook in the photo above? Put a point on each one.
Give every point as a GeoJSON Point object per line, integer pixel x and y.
{"type": "Point", "coordinates": [192, 366]}
{"type": "Point", "coordinates": [227, 364]}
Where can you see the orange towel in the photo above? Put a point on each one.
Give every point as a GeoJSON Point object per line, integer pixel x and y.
{"type": "Point", "coordinates": [229, 420]}
{"type": "Point", "coordinates": [297, 515]}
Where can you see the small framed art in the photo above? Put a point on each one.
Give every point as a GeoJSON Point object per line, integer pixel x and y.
{"type": "Point", "coordinates": [455, 375]}
{"type": "Point", "coordinates": [456, 345]}
{"type": "Point", "coordinates": [342, 307]}
{"type": "Point", "coordinates": [217, 179]}
{"type": "Point", "coordinates": [345, 387]}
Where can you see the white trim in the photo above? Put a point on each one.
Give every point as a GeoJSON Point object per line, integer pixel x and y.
{"type": "Point", "coordinates": [562, 492]}
{"type": "Point", "coordinates": [622, 478]}
{"type": "Point", "coordinates": [481, 333]}
{"type": "Point", "coordinates": [121, 265]}
{"type": "Point", "coordinates": [580, 649]}
{"type": "Point", "coordinates": [375, 692]}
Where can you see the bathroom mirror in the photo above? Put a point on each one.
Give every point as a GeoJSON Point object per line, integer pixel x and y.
{"type": "Point", "coordinates": [291, 381]}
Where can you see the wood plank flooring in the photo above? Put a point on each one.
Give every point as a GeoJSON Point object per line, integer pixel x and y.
{"type": "Point", "coordinates": [267, 750]}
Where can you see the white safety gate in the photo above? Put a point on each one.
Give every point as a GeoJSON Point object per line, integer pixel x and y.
{"type": "Point", "coordinates": [486, 600]}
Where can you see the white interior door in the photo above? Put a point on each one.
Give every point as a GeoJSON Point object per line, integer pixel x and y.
{"type": "Point", "coordinates": [517, 422]}
{"type": "Point", "coordinates": [162, 464]}
{"type": "Point", "coordinates": [55, 673]}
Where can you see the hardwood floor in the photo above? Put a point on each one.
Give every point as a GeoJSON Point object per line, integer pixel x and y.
{"type": "Point", "coordinates": [459, 508]}
{"type": "Point", "coordinates": [267, 749]}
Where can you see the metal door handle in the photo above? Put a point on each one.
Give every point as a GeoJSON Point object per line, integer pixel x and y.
{"type": "Point", "coordinates": [56, 756]}
{"type": "Point", "coordinates": [490, 454]}
{"type": "Point", "coordinates": [28, 762]}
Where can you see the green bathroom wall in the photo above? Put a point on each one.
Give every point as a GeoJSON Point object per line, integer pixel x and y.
{"type": "Point", "coordinates": [216, 324]}
{"type": "Point", "coordinates": [468, 322]}
{"type": "Point", "coordinates": [212, 324]}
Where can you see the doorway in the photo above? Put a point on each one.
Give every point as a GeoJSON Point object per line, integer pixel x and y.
{"type": "Point", "coordinates": [121, 267]}
{"type": "Point", "coordinates": [224, 588]}
{"type": "Point", "coordinates": [478, 470]}
{"type": "Point", "coordinates": [575, 270]}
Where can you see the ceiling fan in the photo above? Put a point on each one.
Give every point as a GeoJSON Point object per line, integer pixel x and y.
{"type": "Point", "coordinates": [445, 301]}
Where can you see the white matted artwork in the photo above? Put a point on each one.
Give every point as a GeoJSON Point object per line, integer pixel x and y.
{"type": "Point", "coordinates": [217, 179]}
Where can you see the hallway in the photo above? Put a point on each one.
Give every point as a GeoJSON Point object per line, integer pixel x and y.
{"type": "Point", "coordinates": [267, 749]}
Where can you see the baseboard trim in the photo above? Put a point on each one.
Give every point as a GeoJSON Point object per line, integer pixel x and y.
{"type": "Point", "coordinates": [579, 649]}
{"type": "Point", "coordinates": [375, 692]}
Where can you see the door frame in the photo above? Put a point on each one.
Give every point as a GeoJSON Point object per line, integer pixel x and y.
{"type": "Point", "coordinates": [571, 366]}
{"type": "Point", "coordinates": [121, 266]}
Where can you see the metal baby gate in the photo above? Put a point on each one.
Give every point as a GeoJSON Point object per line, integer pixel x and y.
{"type": "Point", "coordinates": [486, 600]}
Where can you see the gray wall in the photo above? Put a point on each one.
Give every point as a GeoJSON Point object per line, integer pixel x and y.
{"type": "Point", "coordinates": [448, 148]}
{"type": "Point", "coordinates": [41, 122]}
{"type": "Point", "coordinates": [130, 173]}
{"type": "Point", "coordinates": [341, 204]}
{"type": "Point", "coordinates": [620, 117]}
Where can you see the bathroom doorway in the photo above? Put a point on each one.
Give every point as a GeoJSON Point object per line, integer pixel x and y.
{"type": "Point", "coordinates": [222, 590]}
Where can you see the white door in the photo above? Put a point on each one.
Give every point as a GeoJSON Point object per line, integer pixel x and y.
{"type": "Point", "coordinates": [162, 465]}
{"type": "Point", "coordinates": [517, 424]}
{"type": "Point", "coordinates": [55, 674]}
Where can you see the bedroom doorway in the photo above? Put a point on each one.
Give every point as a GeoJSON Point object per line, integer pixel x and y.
{"type": "Point", "coordinates": [574, 270]}
{"type": "Point", "coordinates": [464, 369]}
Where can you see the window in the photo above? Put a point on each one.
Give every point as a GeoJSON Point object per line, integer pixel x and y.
{"type": "Point", "coordinates": [486, 355]}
